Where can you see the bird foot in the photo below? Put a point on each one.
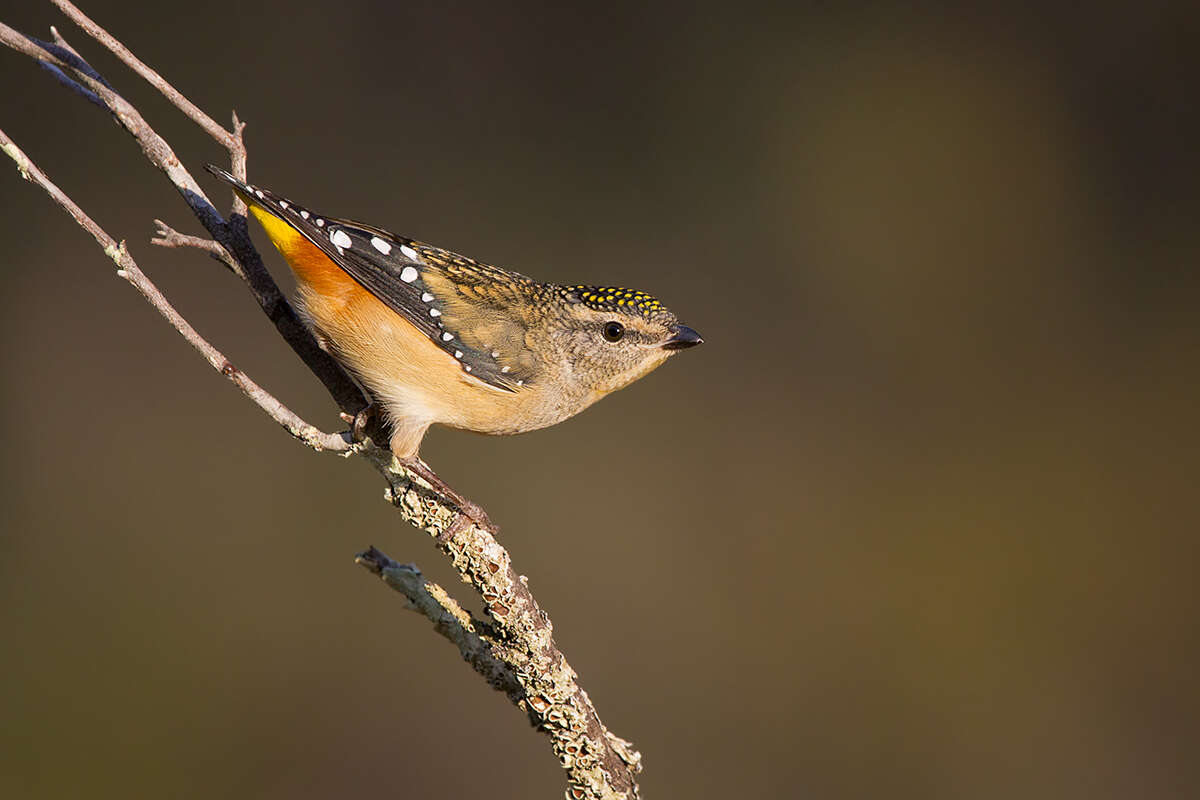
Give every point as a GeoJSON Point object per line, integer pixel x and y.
{"type": "Point", "coordinates": [464, 506]}
{"type": "Point", "coordinates": [368, 423]}
{"type": "Point", "coordinates": [364, 423]}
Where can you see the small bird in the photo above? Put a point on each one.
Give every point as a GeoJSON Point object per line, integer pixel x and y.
{"type": "Point", "coordinates": [435, 337]}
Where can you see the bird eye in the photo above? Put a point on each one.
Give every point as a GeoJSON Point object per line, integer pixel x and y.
{"type": "Point", "coordinates": [613, 331]}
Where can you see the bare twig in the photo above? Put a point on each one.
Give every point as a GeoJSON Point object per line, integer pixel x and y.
{"type": "Point", "coordinates": [61, 76]}
{"type": "Point", "coordinates": [61, 42]}
{"type": "Point", "coordinates": [206, 123]}
{"type": "Point", "coordinates": [230, 140]}
{"type": "Point", "coordinates": [515, 652]}
{"type": "Point", "coordinates": [128, 269]}
{"type": "Point", "coordinates": [153, 146]}
{"type": "Point", "coordinates": [169, 237]}
{"type": "Point", "coordinates": [233, 237]}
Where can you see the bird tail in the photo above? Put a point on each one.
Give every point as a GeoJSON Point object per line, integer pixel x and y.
{"type": "Point", "coordinates": [291, 229]}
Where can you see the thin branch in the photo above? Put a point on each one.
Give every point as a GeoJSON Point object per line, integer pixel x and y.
{"type": "Point", "coordinates": [234, 237]}
{"type": "Point", "coordinates": [85, 93]}
{"type": "Point", "coordinates": [237, 157]}
{"type": "Point", "coordinates": [169, 237]}
{"type": "Point", "coordinates": [206, 123]}
{"type": "Point", "coordinates": [128, 269]}
{"type": "Point", "coordinates": [61, 42]}
{"type": "Point", "coordinates": [61, 76]}
{"type": "Point", "coordinates": [230, 140]}
{"type": "Point", "coordinates": [153, 146]}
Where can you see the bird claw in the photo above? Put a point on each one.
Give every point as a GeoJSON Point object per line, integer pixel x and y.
{"type": "Point", "coordinates": [362, 423]}
{"type": "Point", "coordinates": [367, 423]}
{"type": "Point", "coordinates": [474, 513]}
{"type": "Point", "coordinates": [464, 506]}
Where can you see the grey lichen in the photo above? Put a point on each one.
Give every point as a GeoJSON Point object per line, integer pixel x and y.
{"type": "Point", "coordinates": [118, 254]}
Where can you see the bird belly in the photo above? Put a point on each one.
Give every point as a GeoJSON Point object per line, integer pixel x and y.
{"type": "Point", "coordinates": [416, 382]}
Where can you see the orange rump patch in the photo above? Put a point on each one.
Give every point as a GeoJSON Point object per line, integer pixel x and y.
{"type": "Point", "coordinates": [315, 269]}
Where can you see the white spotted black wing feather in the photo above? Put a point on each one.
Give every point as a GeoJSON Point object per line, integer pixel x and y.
{"type": "Point", "coordinates": [421, 283]}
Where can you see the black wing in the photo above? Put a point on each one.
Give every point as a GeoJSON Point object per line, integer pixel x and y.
{"type": "Point", "coordinates": [419, 282]}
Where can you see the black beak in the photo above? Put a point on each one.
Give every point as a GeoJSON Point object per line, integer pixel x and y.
{"type": "Point", "coordinates": [682, 338]}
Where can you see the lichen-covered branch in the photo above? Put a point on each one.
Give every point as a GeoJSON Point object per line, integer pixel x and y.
{"type": "Point", "coordinates": [598, 764]}
{"type": "Point", "coordinates": [514, 650]}
{"type": "Point", "coordinates": [470, 635]}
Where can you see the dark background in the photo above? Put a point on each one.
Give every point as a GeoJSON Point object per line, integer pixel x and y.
{"type": "Point", "coordinates": [918, 520]}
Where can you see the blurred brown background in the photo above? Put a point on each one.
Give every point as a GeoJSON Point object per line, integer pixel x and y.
{"type": "Point", "coordinates": [918, 520]}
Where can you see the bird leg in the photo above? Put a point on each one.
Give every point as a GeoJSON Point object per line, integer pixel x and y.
{"type": "Point", "coordinates": [368, 423]}
{"type": "Point", "coordinates": [465, 506]}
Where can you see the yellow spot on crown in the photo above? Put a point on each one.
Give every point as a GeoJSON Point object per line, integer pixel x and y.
{"type": "Point", "coordinates": [610, 296]}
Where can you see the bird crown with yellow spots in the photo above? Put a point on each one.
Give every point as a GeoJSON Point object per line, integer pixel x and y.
{"type": "Point", "coordinates": [615, 298]}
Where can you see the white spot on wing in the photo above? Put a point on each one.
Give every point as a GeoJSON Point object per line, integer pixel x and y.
{"type": "Point", "coordinates": [304, 214]}
{"type": "Point", "coordinates": [258, 193]}
{"type": "Point", "coordinates": [505, 369]}
{"type": "Point", "coordinates": [283, 204]}
{"type": "Point", "coordinates": [495, 353]}
{"type": "Point", "coordinates": [339, 238]}
{"type": "Point", "coordinates": [408, 275]}
{"type": "Point", "coordinates": [458, 353]}
{"type": "Point", "coordinates": [447, 336]}
{"type": "Point", "coordinates": [425, 298]}
{"type": "Point", "coordinates": [408, 251]}
{"type": "Point", "coordinates": [433, 312]}
{"type": "Point", "coordinates": [380, 245]}
{"type": "Point", "coordinates": [320, 223]}
{"type": "Point", "coordinates": [467, 367]}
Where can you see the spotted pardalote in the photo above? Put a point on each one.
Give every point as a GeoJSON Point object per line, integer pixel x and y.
{"type": "Point", "coordinates": [436, 337]}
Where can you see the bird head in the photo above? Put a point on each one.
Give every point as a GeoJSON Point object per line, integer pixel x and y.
{"type": "Point", "coordinates": [611, 336]}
